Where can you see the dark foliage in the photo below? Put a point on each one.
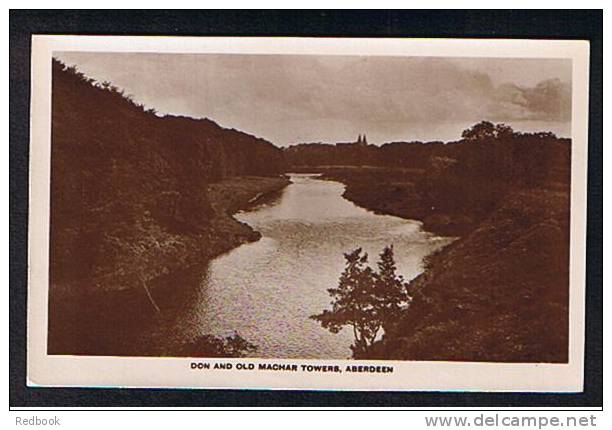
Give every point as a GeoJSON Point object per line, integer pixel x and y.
{"type": "Point", "coordinates": [215, 346]}
{"type": "Point", "coordinates": [450, 186]}
{"type": "Point", "coordinates": [131, 205]}
{"type": "Point", "coordinates": [486, 151]}
{"type": "Point", "coordinates": [366, 300]}
{"type": "Point", "coordinates": [118, 171]}
{"type": "Point", "coordinates": [390, 289]}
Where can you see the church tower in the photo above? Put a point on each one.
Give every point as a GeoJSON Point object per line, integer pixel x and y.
{"type": "Point", "coordinates": [362, 140]}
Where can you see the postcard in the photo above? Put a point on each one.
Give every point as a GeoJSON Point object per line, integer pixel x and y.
{"type": "Point", "coordinates": [307, 213]}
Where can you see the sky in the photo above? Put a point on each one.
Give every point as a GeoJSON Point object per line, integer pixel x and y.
{"type": "Point", "coordinates": [289, 99]}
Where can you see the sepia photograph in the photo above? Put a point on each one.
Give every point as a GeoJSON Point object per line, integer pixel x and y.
{"type": "Point", "coordinates": [308, 210]}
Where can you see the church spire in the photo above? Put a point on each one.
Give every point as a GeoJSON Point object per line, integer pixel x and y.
{"type": "Point", "coordinates": [362, 139]}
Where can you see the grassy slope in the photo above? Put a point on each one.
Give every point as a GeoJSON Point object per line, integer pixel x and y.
{"type": "Point", "coordinates": [499, 293]}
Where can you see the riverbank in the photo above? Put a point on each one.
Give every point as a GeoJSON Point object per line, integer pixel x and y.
{"type": "Point", "coordinates": [498, 293]}
{"type": "Point", "coordinates": [229, 196]}
{"type": "Point", "coordinates": [109, 314]}
{"type": "Point", "coordinates": [396, 192]}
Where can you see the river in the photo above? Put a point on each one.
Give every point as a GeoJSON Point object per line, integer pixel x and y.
{"type": "Point", "coordinates": [266, 290]}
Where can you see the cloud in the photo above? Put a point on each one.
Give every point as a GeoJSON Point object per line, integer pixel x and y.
{"type": "Point", "coordinates": [291, 98]}
{"type": "Point", "coordinates": [550, 100]}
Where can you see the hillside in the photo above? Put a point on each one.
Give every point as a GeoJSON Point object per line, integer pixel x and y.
{"type": "Point", "coordinates": [122, 174]}
{"type": "Point", "coordinates": [498, 294]}
{"type": "Point", "coordinates": [133, 202]}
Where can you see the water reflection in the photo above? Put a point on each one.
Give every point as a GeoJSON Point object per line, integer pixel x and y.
{"type": "Point", "coordinates": [267, 290]}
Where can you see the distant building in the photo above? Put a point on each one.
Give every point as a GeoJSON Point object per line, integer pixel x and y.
{"type": "Point", "coordinates": [362, 140]}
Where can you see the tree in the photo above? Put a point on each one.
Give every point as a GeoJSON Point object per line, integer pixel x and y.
{"type": "Point", "coordinates": [391, 289]}
{"type": "Point", "coordinates": [364, 299]}
{"type": "Point", "coordinates": [480, 131]}
{"type": "Point", "coordinates": [354, 303]}
{"type": "Point", "coordinates": [503, 131]}
{"type": "Point", "coordinates": [487, 130]}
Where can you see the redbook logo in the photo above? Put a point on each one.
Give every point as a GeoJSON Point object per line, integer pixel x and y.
{"type": "Point", "coordinates": [37, 421]}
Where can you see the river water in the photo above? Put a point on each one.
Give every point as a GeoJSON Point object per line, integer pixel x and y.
{"type": "Point", "coordinates": [267, 290]}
